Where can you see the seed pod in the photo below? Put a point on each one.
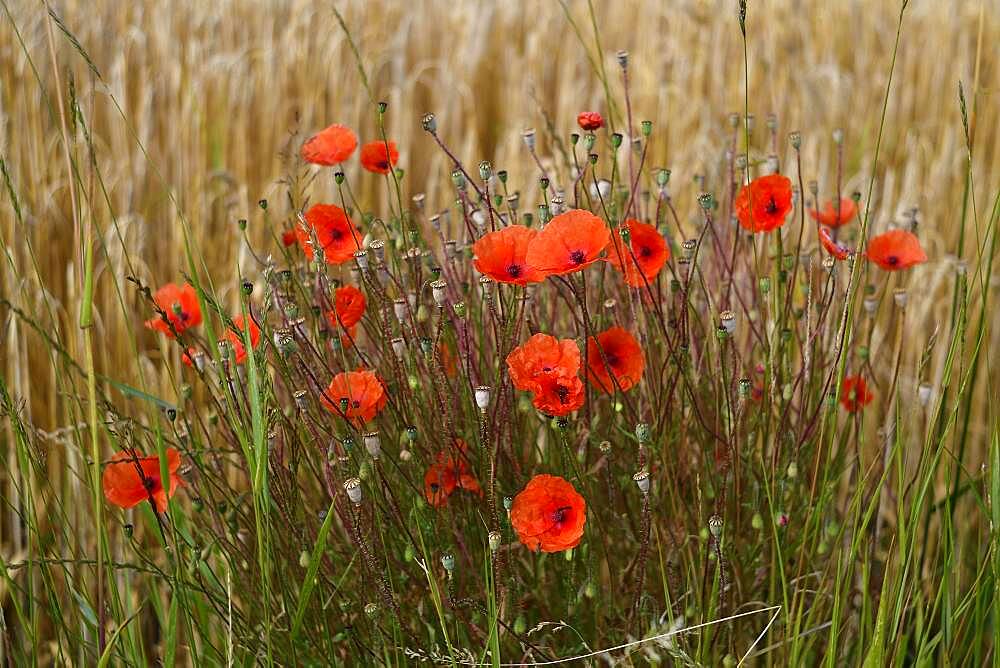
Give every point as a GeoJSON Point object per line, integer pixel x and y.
{"type": "Point", "coordinates": [715, 526]}
{"type": "Point", "coordinates": [494, 539]}
{"type": "Point", "coordinates": [728, 321]}
{"type": "Point", "coordinates": [438, 292]}
{"type": "Point", "coordinates": [301, 399]}
{"type": "Point", "coordinates": [429, 123]}
{"type": "Point", "coordinates": [529, 138]}
{"type": "Point", "coordinates": [448, 561]}
{"type": "Point", "coordinates": [353, 488]}
{"type": "Point", "coordinates": [399, 347]}
{"type": "Point", "coordinates": [899, 296]}
{"type": "Point", "coordinates": [641, 479]}
{"type": "Point", "coordinates": [361, 258]}
{"type": "Point", "coordinates": [373, 444]}
{"type": "Point", "coordinates": [924, 393]}
{"type": "Point", "coordinates": [642, 432]}
{"type": "Point", "coordinates": [482, 394]}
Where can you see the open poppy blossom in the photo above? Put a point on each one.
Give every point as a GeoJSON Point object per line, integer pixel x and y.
{"type": "Point", "coordinates": [895, 250]}
{"type": "Point", "coordinates": [828, 214]}
{"type": "Point", "coordinates": [623, 356]}
{"type": "Point", "coordinates": [348, 307]}
{"type": "Point", "coordinates": [335, 233]}
{"type": "Point", "coordinates": [590, 121]}
{"type": "Point", "coordinates": [835, 249]}
{"type": "Point", "coordinates": [649, 248]}
{"type": "Point", "coordinates": [763, 204]}
{"type": "Point", "coordinates": [375, 157]}
{"type": "Point", "coordinates": [449, 472]}
{"type": "Point", "coordinates": [181, 306]}
{"type": "Point", "coordinates": [571, 241]}
{"type": "Point", "coordinates": [356, 395]}
{"type": "Point", "coordinates": [235, 338]}
{"type": "Point", "coordinates": [330, 146]}
{"type": "Point", "coordinates": [549, 514]}
{"type": "Point", "coordinates": [129, 480]}
{"type": "Point", "coordinates": [502, 255]}
{"type": "Point", "coordinates": [854, 394]}
{"type": "Point", "coordinates": [288, 238]}
{"type": "Point", "coordinates": [548, 368]}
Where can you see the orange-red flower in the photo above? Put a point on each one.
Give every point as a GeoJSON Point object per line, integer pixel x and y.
{"type": "Point", "coordinates": [330, 146]}
{"type": "Point", "coordinates": [375, 157]}
{"type": "Point", "coordinates": [549, 514]}
{"type": "Point", "coordinates": [828, 214]}
{"type": "Point", "coordinates": [356, 395]}
{"type": "Point", "coordinates": [649, 248]}
{"type": "Point", "coordinates": [896, 249]}
{"type": "Point", "coordinates": [288, 238]}
{"type": "Point", "coordinates": [590, 121]}
{"type": "Point", "coordinates": [763, 204]}
{"type": "Point", "coordinates": [623, 356]}
{"type": "Point", "coordinates": [854, 394]}
{"type": "Point", "coordinates": [181, 306]}
{"type": "Point", "coordinates": [571, 241]}
{"type": "Point", "coordinates": [348, 307]}
{"type": "Point", "coordinates": [129, 480]}
{"type": "Point", "coordinates": [235, 338]}
{"type": "Point", "coordinates": [335, 233]}
{"type": "Point", "coordinates": [450, 471]}
{"type": "Point", "coordinates": [838, 251]}
{"type": "Point", "coordinates": [548, 368]}
{"type": "Point", "coordinates": [502, 255]}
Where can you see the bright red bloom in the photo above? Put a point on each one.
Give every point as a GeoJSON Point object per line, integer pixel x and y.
{"type": "Point", "coordinates": [450, 471]}
{"type": "Point", "coordinates": [335, 232]}
{"type": "Point", "coordinates": [549, 514]}
{"type": "Point", "coordinates": [288, 238]}
{"type": "Point", "coordinates": [331, 146]}
{"type": "Point", "coordinates": [348, 307]}
{"type": "Point", "coordinates": [548, 367]}
{"type": "Point", "coordinates": [128, 480]}
{"type": "Point", "coordinates": [502, 255]}
{"type": "Point", "coordinates": [828, 215]}
{"type": "Point", "coordinates": [356, 395]}
{"type": "Point", "coordinates": [649, 248]}
{"type": "Point", "coordinates": [571, 241]}
{"type": "Point", "coordinates": [181, 306]}
{"type": "Point", "coordinates": [623, 355]}
{"type": "Point", "coordinates": [375, 158]}
{"type": "Point", "coordinates": [854, 394]}
{"type": "Point", "coordinates": [895, 250]}
{"type": "Point", "coordinates": [235, 338]}
{"type": "Point", "coordinates": [590, 121]}
{"type": "Point", "coordinates": [838, 251]}
{"type": "Point", "coordinates": [763, 204]}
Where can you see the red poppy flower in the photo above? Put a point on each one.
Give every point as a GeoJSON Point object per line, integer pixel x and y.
{"type": "Point", "coordinates": [838, 251]}
{"type": "Point", "coordinates": [650, 251]}
{"type": "Point", "coordinates": [502, 255]}
{"type": "Point", "coordinates": [623, 355]}
{"type": "Point", "coordinates": [549, 514]}
{"type": "Point", "coordinates": [335, 232]}
{"type": "Point", "coordinates": [181, 306]}
{"type": "Point", "coordinates": [375, 157]}
{"type": "Point", "coordinates": [235, 338]}
{"type": "Point", "coordinates": [288, 238]}
{"type": "Point", "coordinates": [348, 307]}
{"type": "Point", "coordinates": [450, 471]}
{"type": "Point", "coordinates": [590, 121]}
{"type": "Point", "coordinates": [854, 394]}
{"type": "Point", "coordinates": [763, 204]}
{"type": "Point", "coordinates": [895, 250]}
{"type": "Point", "coordinates": [361, 391]}
{"type": "Point", "coordinates": [548, 367]}
{"type": "Point", "coordinates": [125, 487]}
{"type": "Point", "coordinates": [559, 393]}
{"type": "Point", "coordinates": [331, 146]}
{"type": "Point", "coordinates": [571, 241]}
{"type": "Point", "coordinates": [828, 215]}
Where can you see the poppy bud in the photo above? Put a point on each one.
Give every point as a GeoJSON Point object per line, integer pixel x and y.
{"type": "Point", "coordinates": [338, 177]}
{"type": "Point", "coordinates": [482, 394]}
{"type": "Point", "coordinates": [458, 178]}
{"type": "Point", "coordinates": [792, 471]}
{"type": "Point", "coordinates": [439, 292]}
{"type": "Point", "coordinates": [795, 139]}
{"type": "Point", "coordinates": [622, 57]}
{"type": "Point", "coordinates": [529, 138]}
{"type": "Point", "coordinates": [616, 139]}
{"type": "Point", "coordinates": [838, 136]}
{"type": "Point", "coordinates": [399, 347]}
{"type": "Point", "coordinates": [745, 386]}
{"type": "Point", "coordinates": [373, 444]}
{"type": "Point", "coordinates": [485, 170]}
{"type": "Point", "coordinates": [242, 224]}
{"type": "Point", "coordinates": [870, 304]}
{"type": "Point", "coordinates": [353, 488]}
{"type": "Point", "coordinates": [647, 128]}
{"type": "Point", "coordinates": [728, 321]}
{"type": "Point", "coordinates": [707, 201]}
{"type": "Point", "coordinates": [642, 432]}
{"type": "Point", "coordinates": [429, 123]}
{"type": "Point", "coordinates": [262, 203]}
{"type": "Point", "coordinates": [715, 526]}
{"type": "Point", "coordinates": [924, 393]}
{"type": "Point", "coordinates": [765, 285]}
{"type": "Point", "coordinates": [448, 561]}
{"type": "Point", "coordinates": [899, 296]}
{"type": "Point", "coordinates": [494, 540]}
{"type": "Point", "coordinates": [642, 481]}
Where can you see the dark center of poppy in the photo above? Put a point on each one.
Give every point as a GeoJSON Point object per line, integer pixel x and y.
{"type": "Point", "coordinates": [559, 514]}
{"type": "Point", "coordinates": [336, 235]}
{"type": "Point", "coordinates": [148, 483]}
{"type": "Point", "coordinates": [356, 403]}
{"type": "Point", "coordinates": [514, 271]}
{"type": "Point", "coordinates": [435, 487]}
{"type": "Point", "coordinates": [612, 359]}
{"type": "Point", "coordinates": [771, 207]}
{"type": "Point", "coordinates": [577, 257]}
{"type": "Point", "coordinates": [562, 392]}
{"type": "Point", "coordinates": [893, 260]}
{"type": "Point", "coordinates": [383, 164]}
{"type": "Point", "coordinates": [645, 251]}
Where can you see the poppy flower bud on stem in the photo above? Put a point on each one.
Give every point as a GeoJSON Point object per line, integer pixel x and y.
{"type": "Point", "coordinates": [373, 444]}
{"type": "Point", "coordinates": [353, 488]}
{"type": "Point", "coordinates": [485, 170]}
{"type": "Point", "coordinates": [715, 526]}
{"type": "Point", "coordinates": [795, 139]}
{"type": "Point", "coordinates": [429, 123]}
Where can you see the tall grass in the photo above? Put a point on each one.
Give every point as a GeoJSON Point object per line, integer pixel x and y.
{"type": "Point", "coordinates": [127, 162]}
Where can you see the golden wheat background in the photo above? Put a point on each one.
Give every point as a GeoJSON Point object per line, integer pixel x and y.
{"type": "Point", "coordinates": [189, 105]}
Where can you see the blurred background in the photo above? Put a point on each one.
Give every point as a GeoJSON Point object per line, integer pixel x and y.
{"type": "Point", "coordinates": [191, 108]}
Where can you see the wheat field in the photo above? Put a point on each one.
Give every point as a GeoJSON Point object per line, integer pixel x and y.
{"type": "Point", "coordinates": [193, 111]}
